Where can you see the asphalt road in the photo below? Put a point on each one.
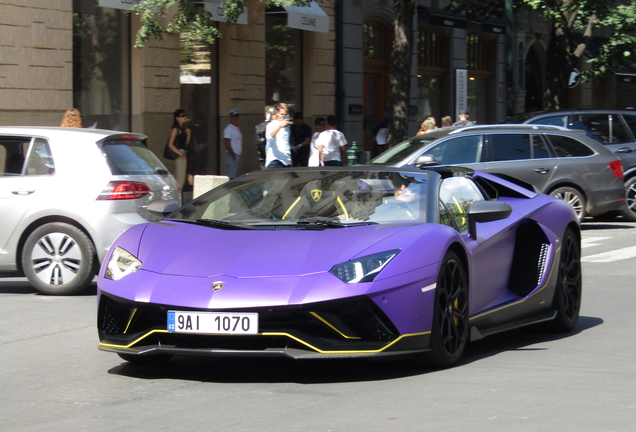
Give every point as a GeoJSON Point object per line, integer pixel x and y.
{"type": "Point", "coordinates": [53, 378]}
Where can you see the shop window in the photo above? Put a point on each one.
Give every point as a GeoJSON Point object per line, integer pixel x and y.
{"type": "Point", "coordinates": [101, 66]}
{"type": "Point", "coordinates": [479, 64]}
{"type": "Point", "coordinates": [283, 62]}
{"type": "Point", "coordinates": [375, 42]}
{"type": "Point", "coordinates": [430, 74]}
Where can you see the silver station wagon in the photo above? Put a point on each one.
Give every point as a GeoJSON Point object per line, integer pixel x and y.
{"type": "Point", "coordinates": [66, 194]}
{"type": "Point", "coordinates": [551, 159]}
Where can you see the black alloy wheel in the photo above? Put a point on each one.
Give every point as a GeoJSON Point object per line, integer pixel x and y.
{"type": "Point", "coordinates": [567, 295]}
{"type": "Point", "coordinates": [449, 334]}
{"type": "Point", "coordinates": [629, 209]}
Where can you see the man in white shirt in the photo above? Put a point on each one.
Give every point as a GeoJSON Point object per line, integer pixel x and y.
{"type": "Point", "coordinates": [331, 144]}
{"type": "Point", "coordinates": [277, 150]}
{"type": "Point", "coordinates": [233, 140]}
{"type": "Point", "coordinates": [314, 157]}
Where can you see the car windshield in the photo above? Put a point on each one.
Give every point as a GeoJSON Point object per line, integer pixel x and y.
{"type": "Point", "coordinates": [310, 199]}
{"type": "Point", "coordinates": [129, 156]}
{"type": "Point", "coordinates": [398, 153]}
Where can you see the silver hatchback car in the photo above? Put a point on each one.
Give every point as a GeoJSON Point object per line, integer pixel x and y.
{"type": "Point", "coordinates": [66, 194]}
{"type": "Point", "coordinates": [553, 160]}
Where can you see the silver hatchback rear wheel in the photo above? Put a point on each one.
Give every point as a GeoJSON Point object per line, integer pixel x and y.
{"type": "Point", "coordinates": [58, 259]}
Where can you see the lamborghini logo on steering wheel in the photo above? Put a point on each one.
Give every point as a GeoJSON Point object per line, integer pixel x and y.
{"type": "Point", "coordinates": [316, 194]}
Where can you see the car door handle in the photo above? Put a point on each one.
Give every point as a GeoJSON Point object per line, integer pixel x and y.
{"type": "Point", "coordinates": [22, 191]}
{"type": "Point", "coordinates": [624, 150]}
{"type": "Point", "coordinates": [542, 170]}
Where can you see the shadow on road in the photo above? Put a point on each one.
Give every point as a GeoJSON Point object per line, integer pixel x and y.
{"type": "Point", "coordinates": [22, 286]}
{"type": "Point", "coordinates": [282, 370]}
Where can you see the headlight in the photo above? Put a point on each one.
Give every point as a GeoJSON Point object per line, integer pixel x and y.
{"type": "Point", "coordinates": [120, 264]}
{"type": "Point", "coordinates": [363, 269]}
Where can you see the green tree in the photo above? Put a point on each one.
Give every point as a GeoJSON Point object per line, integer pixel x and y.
{"type": "Point", "coordinates": [189, 16]}
{"type": "Point", "coordinates": [568, 17]}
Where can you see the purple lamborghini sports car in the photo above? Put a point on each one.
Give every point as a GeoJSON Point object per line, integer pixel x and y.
{"type": "Point", "coordinates": [342, 262]}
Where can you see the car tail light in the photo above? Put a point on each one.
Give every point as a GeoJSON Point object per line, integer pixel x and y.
{"type": "Point", "coordinates": [617, 168]}
{"type": "Point", "coordinates": [122, 190]}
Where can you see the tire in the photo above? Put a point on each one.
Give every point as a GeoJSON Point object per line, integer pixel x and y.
{"type": "Point", "coordinates": [567, 294]}
{"type": "Point", "coordinates": [629, 209]}
{"type": "Point", "coordinates": [146, 360]}
{"type": "Point", "coordinates": [58, 259]}
{"type": "Point", "coordinates": [574, 198]}
{"type": "Point", "coordinates": [449, 334]}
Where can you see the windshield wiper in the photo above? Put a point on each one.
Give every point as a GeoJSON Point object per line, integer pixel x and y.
{"type": "Point", "coordinates": [214, 223]}
{"type": "Point", "coordinates": [321, 222]}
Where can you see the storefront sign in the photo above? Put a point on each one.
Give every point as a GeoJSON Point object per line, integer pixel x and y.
{"type": "Point", "coordinates": [310, 18]}
{"type": "Point", "coordinates": [461, 91]}
{"type": "Point", "coordinates": [119, 4]}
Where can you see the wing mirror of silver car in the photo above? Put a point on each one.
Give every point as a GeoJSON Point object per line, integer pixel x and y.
{"type": "Point", "coordinates": [425, 159]}
{"type": "Point", "coordinates": [486, 211]}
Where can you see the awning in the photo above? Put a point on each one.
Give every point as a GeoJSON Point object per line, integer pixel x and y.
{"type": "Point", "coordinates": [310, 17]}
{"type": "Point", "coordinates": [214, 7]}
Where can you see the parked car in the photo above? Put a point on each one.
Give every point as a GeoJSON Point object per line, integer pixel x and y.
{"type": "Point", "coordinates": [616, 129]}
{"type": "Point", "coordinates": [555, 160]}
{"type": "Point", "coordinates": [66, 194]}
{"type": "Point", "coordinates": [340, 263]}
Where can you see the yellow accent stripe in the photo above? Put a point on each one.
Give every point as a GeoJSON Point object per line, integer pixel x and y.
{"type": "Point", "coordinates": [520, 301]}
{"type": "Point", "coordinates": [291, 207]}
{"type": "Point", "coordinates": [344, 352]}
{"type": "Point", "coordinates": [280, 334]}
{"type": "Point", "coordinates": [132, 315]}
{"type": "Point", "coordinates": [344, 209]}
{"type": "Point", "coordinates": [332, 327]}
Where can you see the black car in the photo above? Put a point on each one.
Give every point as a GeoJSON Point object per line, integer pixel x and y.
{"type": "Point", "coordinates": [616, 129]}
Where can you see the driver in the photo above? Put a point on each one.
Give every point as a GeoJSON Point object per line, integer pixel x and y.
{"type": "Point", "coordinates": [404, 205]}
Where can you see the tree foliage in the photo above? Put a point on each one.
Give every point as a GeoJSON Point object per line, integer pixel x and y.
{"type": "Point", "coordinates": [189, 16]}
{"type": "Point", "coordinates": [573, 24]}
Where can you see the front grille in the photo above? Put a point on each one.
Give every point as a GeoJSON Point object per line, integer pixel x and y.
{"type": "Point", "coordinates": [341, 324]}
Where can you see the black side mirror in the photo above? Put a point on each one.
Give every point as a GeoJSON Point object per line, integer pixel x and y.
{"type": "Point", "coordinates": [486, 211]}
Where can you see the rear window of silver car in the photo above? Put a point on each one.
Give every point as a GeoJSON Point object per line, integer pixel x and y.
{"type": "Point", "coordinates": [131, 157]}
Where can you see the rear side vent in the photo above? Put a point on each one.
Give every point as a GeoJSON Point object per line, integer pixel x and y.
{"type": "Point", "coordinates": [529, 261]}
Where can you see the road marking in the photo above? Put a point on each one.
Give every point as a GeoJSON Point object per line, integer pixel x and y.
{"type": "Point", "coordinates": [615, 255]}
{"type": "Point", "coordinates": [592, 241]}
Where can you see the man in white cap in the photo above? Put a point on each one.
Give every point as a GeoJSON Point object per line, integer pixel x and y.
{"type": "Point", "coordinates": [233, 140]}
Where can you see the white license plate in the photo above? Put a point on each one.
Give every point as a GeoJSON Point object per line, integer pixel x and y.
{"type": "Point", "coordinates": [213, 322]}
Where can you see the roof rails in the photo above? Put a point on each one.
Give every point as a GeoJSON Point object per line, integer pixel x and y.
{"type": "Point", "coordinates": [510, 126]}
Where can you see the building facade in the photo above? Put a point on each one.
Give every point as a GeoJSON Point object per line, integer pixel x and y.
{"type": "Point", "coordinates": [331, 58]}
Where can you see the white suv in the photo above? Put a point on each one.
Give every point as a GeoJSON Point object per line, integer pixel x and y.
{"type": "Point", "coordinates": [66, 194]}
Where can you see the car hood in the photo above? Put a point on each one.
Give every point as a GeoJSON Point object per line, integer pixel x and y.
{"type": "Point", "coordinates": [199, 251]}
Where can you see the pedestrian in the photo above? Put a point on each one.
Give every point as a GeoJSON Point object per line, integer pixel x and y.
{"type": "Point", "coordinates": [463, 119]}
{"type": "Point", "coordinates": [300, 139]}
{"type": "Point", "coordinates": [447, 121]}
{"type": "Point", "coordinates": [178, 142]}
{"type": "Point", "coordinates": [331, 144]}
{"type": "Point", "coordinates": [380, 134]}
{"type": "Point", "coordinates": [233, 140]}
{"type": "Point", "coordinates": [260, 140]}
{"type": "Point", "coordinates": [72, 118]}
{"type": "Point", "coordinates": [427, 126]}
{"type": "Point", "coordinates": [314, 157]}
{"type": "Point", "coordinates": [277, 150]}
